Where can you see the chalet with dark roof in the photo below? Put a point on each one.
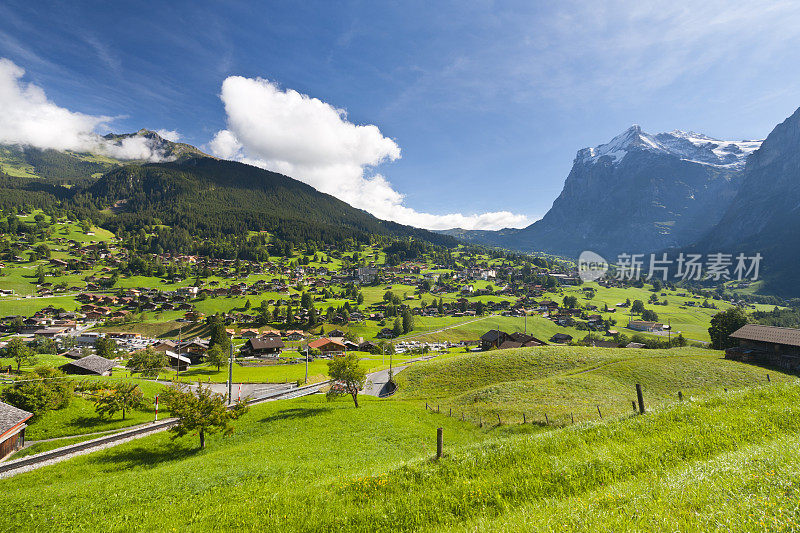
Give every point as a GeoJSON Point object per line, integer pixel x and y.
{"type": "Point", "coordinates": [90, 365]}
{"type": "Point", "coordinates": [12, 429]}
{"type": "Point", "coordinates": [493, 338]}
{"type": "Point", "coordinates": [767, 345]}
{"type": "Point", "coordinates": [260, 346]}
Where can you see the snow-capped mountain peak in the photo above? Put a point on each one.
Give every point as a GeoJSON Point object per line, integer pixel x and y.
{"type": "Point", "coordinates": [689, 146]}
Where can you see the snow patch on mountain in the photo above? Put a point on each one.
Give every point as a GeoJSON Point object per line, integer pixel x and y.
{"type": "Point", "coordinates": [689, 146]}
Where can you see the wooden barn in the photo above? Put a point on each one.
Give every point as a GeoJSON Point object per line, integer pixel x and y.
{"type": "Point", "coordinates": [91, 365]}
{"type": "Point", "coordinates": [12, 429]}
{"type": "Point", "coordinates": [767, 345]}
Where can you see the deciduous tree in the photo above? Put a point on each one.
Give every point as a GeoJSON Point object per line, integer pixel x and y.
{"type": "Point", "coordinates": [723, 324]}
{"type": "Point", "coordinates": [120, 397]}
{"type": "Point", "coordinates": [201, 410]}
{"type": "Point", "coordinates": [147, 362]}
{"type": "Point", "coordinates": [348, 376]}
{"type": "Point", "coordinates": [17, 350]}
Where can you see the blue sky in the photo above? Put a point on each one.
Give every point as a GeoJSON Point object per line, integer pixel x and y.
{"type": "Point", "coordinates": [480, 106]}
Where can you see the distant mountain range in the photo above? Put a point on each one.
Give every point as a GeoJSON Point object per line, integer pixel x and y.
{"type": "Point", "coordinates": [764, 216]}
{"type": "Point", "coordinates": [637, 193]}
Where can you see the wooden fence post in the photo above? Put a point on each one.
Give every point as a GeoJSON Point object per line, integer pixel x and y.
{"type": "Point", "coordinates": [451, 412]}
{"type": "Point", "coordinates": [439, 443]}
{"type": "Point", "coordinates": [523, 418]}
{"type": "Point", "coordinates": [598, 412]}
{"type": "Point", "coordinates": [480, 421]}
{"type": "Point", "coordinates": [437, 408]}
{"type": "Point", "coordinates": [572, 416]}
{"type": "Point", "coordinates": [680, 396]}
{"type": "Point", "coordinates": [768, 380]}
{"type": "Point", "coordinates": [546, 420]}
{"type": "Point", "coordinates": [499, 422]}
{"type": "Point", "coordinates": [640, 397]}
{"type": "Point", "coordinates": [426, 406]}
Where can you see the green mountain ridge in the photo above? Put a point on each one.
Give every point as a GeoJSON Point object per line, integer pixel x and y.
{"type": "Point", "coordinates": [193, 193]}
{"type": "Point", "coordinates": [208, 196]}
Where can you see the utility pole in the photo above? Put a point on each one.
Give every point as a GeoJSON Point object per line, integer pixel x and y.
{"type": "Point", "coordinates": [178, 366]}
{"type": "Point", "coordinates": [669, 332]}
{"type": "Point", "coordinates": [306, 364]}
{"type": "Point", "coordinates": [391, 373]}
{"type": "Point", "coordinates": [230, 375]}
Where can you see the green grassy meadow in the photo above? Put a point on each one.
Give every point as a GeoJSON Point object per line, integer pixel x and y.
{"type": "Point", "coordinates": [563, 382]}
{"type": "Point", "coordinates": [723, 462]}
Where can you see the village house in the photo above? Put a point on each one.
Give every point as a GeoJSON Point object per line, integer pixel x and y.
{"type": "Point", "coordinates": [178, 361]}
{"type": "Point", "coordinates": [493, 339]}
{"type": "Point", "coordinates": [89, 365]}
{"type": "Point", "coordinates": [644, 325]}
{"type": "Point", "coordinates": [261, 346]}
{"type": "Point", "coordinates": [766, 345]}
{"type": "Point", "coordinates": [327, 346]}
{"type": "Point", "coordinates": [12, 429]}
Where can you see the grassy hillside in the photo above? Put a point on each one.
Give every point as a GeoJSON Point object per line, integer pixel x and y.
{"type": "Point", "coordinates": [565, 381]}
{"type": "Point", "coordinates": [727, 462]}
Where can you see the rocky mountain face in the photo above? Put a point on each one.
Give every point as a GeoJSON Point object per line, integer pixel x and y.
{"type": "Point", "coordinates": [637, 193]}
{"type": "Point", "coordinates": [764, 216]}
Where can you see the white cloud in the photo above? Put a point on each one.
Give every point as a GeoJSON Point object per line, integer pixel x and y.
{"type": "Point", "coordinates": [170, 135]}
{"type": "Point", "coordinates": [28, 118]}
{"type": "Point", "coordinates": [310, 140]}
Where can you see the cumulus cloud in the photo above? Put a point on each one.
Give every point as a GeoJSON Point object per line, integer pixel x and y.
{"type": "Point", "coordinates": [170, 135]}
{"type": "Point", "coordinates": [28, 118]}
{"type": "Point", "coordinates": [310, 140]}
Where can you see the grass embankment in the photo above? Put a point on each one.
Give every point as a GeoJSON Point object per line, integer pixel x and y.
{"type": "Point", "coordinates": [566, 381]}
{"type": "Point", "coordinates": [726, 462]}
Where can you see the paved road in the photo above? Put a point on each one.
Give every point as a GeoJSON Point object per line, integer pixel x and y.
{"type": "Point", "coordinates": [249, 390]}
{"type": "Point", "coordinates": [378, 382]}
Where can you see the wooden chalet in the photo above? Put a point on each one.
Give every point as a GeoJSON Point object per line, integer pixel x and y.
{"type": "Point", "coordinates": [90, 365]}
{"type": "Point", "coordinates": [260, 346]}
{"type": "Point", "coordinates": [326, 345]}
{"type": "Point", "coordinates": [767, 345]}
{"type": "Point", "coordinates": [12, 429]}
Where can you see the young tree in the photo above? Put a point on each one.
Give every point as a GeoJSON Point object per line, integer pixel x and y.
{"type": "Point", "coordinates": [202, 411]}
{"type": "Point", "coordinates": [105, 347]}
{"type": "Point", "coordinates": [408, 321]}
{"type": "Point", "coordinates": [218, 333]}
{"type": "Point", "coordinates": [147, 362]}
{"type": "Point", "coordinates": [649, 315]}
{"type": "Point", "coordinates": [637, 307]}
{"type": "Point", "coordinates": [216, 355]}
{"type": "Point", "coordinates": [120, 397]}
{"type": "Point", "coordinates": [723, 324]}
{"type": "Point", "coordinates": [17, 350]}
{"type": "Point", "coordinates": [347, 375]}
{"type": "Point", "coordinates": [397, 330]}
